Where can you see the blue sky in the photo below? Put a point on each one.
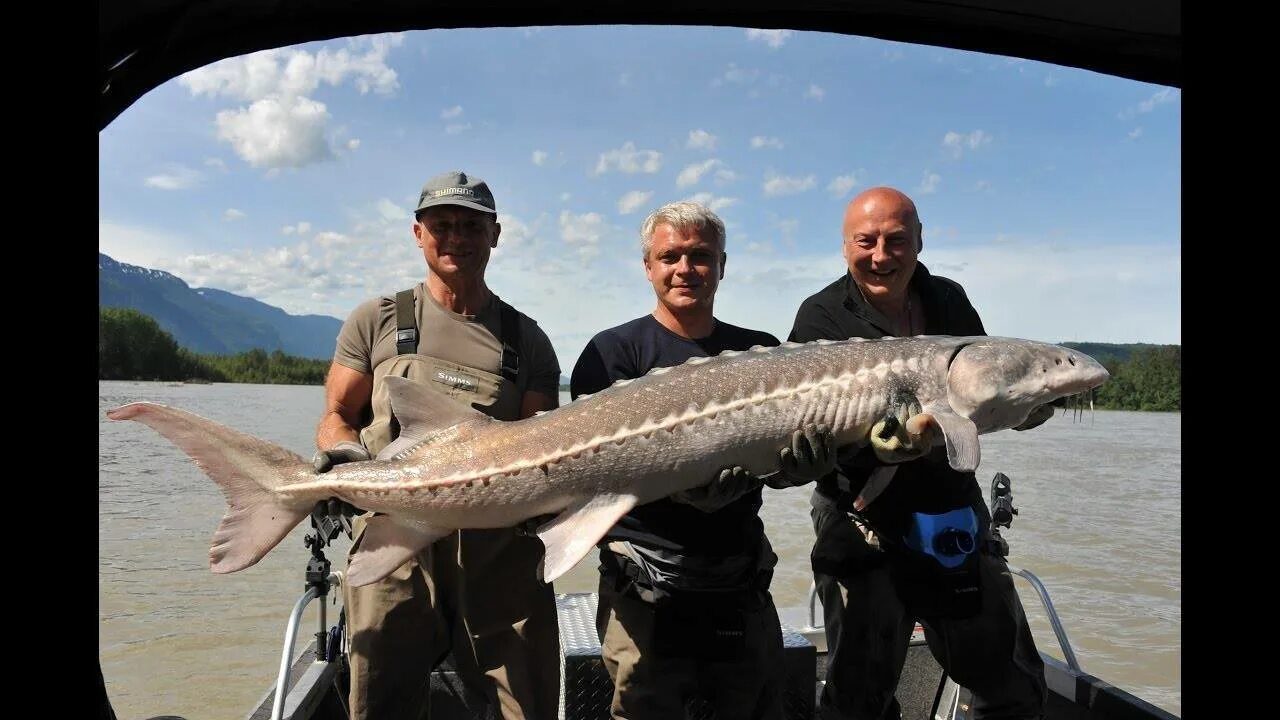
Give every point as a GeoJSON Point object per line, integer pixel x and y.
{"type": "Point", "coordinates": [1052, 194]}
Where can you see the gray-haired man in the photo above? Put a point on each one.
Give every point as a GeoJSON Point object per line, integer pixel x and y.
{"type": "Point", "coordinates": [685, 609]}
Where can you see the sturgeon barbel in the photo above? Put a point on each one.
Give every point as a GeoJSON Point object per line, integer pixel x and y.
{"type": "Point", "coordinates": [591, 461]}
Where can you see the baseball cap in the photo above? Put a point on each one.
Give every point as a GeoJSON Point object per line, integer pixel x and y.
{"type": "Point", "coordinates": [456, 188]}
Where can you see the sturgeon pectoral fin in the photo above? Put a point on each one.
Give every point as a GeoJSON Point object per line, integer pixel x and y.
{"type": "Point", "coordinates": [571, 534]}
{"type": "Point", "coordinates": [387, 544]}
{"type": "Point", "coordinates": [961, 435]}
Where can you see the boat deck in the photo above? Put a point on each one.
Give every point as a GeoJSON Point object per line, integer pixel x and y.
{"type": "Point", "coordinates": [924, 692]}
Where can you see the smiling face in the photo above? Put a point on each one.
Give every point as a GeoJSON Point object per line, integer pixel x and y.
{"type": "Point", "coordinates": [685, 268]}
{"type": "Point", "coordinates": [882, 237]}
{"type": "Point", "coordinates": [456, 241]}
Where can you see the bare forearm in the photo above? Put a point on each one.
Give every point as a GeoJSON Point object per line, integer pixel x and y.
{"type": "Point", "coordinates": [347, 394]}
{"type": "Point", "coordinates": [334, 429]}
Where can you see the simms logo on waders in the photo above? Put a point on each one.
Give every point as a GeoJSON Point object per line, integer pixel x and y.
{"type": "Point", "coordinates": [457, 381]}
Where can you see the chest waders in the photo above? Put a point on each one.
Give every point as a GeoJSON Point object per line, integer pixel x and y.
{"type": "Point", "coordinates": [497, 396]}
{"type": "Point", "coordinates": [469, 627]}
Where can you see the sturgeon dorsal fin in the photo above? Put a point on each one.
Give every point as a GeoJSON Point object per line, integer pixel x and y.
{"type": "Point", "coordinates": [423, 412]}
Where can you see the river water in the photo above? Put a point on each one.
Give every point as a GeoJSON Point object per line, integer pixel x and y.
{"type": "Point", "coordinates": [1099, 523]}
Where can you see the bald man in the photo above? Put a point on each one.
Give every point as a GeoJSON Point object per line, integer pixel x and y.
{"type": "Point", "coordinates": [873, 574]}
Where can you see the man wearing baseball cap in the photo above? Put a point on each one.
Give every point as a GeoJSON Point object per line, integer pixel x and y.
{"type": "Point", "coordinates": [474, 593]}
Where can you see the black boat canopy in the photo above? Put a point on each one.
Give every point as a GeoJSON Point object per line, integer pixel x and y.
{"type": "Point", "coordinates": [143, 43]}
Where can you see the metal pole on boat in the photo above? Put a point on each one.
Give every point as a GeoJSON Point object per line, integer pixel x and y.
{"type": "Point", "coordinates": [1067, 653]}
{"type": "Point", "coordinates": [813, 600]}
{"type": "Point", "coordinates": [327, 521]}
{"type": "Point", "coordinates": [290, 634]}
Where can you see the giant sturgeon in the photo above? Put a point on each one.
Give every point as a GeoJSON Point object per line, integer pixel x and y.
{"type": "Point", "coordinates": [591, 461]}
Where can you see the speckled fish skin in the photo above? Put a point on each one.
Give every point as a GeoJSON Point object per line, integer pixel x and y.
{"type": "Point", "coordinates": [644, 439]}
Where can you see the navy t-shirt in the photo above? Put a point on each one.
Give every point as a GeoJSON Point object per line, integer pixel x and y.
{"type": "Point", "coordinates": [629, 351]}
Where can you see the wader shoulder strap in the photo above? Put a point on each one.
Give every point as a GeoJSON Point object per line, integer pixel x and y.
{"type": "Point", "coordinates": [406, 324]}
{"type": "Point", "coordinates": [510, 329]}
{"type": "Point", "coordinates": [407, 332]}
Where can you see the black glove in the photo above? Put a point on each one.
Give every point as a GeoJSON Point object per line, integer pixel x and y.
{"type": "Point", "coordinates": [323, 461]}
{"type": "Point", "coordinates": [334, 513]}
{"type": "Point", "coordinates": [811, 456]}
{"type": "Point", "coordinates": [729, 485]}
{"type": "Point", "coordinates": [344, 452]}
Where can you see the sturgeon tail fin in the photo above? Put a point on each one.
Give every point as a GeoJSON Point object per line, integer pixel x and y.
{"type": "Point", "coordinates": [250, 473]}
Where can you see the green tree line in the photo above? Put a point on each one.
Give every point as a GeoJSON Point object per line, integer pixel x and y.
{"type": "Point", "coordinates": [133, 346]}
{"type": "Point", "coordinates": [1151, 379]}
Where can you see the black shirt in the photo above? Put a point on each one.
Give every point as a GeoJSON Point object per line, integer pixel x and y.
{"type": "Point", "coordinates": [629, 351]}
{"type": "Point", "coordinates": [839, 312]}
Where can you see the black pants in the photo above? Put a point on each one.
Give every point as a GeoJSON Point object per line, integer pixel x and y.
{"type": "Point", "coordinates": [992, 653]}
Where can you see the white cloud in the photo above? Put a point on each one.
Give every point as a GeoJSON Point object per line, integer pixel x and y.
{"type": "Point", "coordinates": [277, 132]}
{"type": "Point", "coordinates": [517, 237]}
{"type": "Point", "coordinates": [177, 178]}
{"type": "Point", "coordinates": [735, 75]}
{"type": "Point", "coordinates": [450, 113]}
{"type": "Point", "coordinates": [389, 211]}
{"type": "Point", "coordinates": [232, 214]}
{"type": "Point", "coordinates": [1135, 133]}
{"type": "Point", "coordinates": [715, 203]}
{"type": "Point", "coordinates": [693, 173]}
{"type": "Point", "coordinates": [328, 272]}
{"type": "Point", "coordinates": [814, 92]}
{"type": "Point", "coordinates": [760, 141]}
{"type": "Point", "coordinates": [297, 72]}
{"type": "Point", "coordinates": [775, 185]}
{"type": "Point", "coordinates": [842, 184]}
{"type": "Point", "coordinates": [539, 157]}
{"type": "Point", "coordinates": [282, 126]}
{"type": "Point", "coordinates": [1161, 97]}
{"type": "Point", "coordinates": [772, 38]}
{"type": "Point", "coordinates": [1164, 96]}
{"type": "Point", "coordinates": [958, 142]}
{"type": "Point", "coordinates": [301, 228]}
{"type": "Point", "coordinates": [216, 163]}
{"type": "Point", "coordinates": [143, 246]}
{"type": "Point", "coordinates": [582, 232]}
{"type": "Point", "coordinates": [456, 128]}
{"type": "Point", "coordinates": [930, 183]}
{"type": "Point", "coordinates": [700, 140]}
{"type": "Point", "coordinates": [725, 176]}
{"type": "Point", "coordinates": [627, 159]}
{"type": "Point", "coordinates": [632, 201]}
{"type": "Point", "coordinates": [353, 144]}
{"type": "Point", "coordinates": [1050, 81]}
